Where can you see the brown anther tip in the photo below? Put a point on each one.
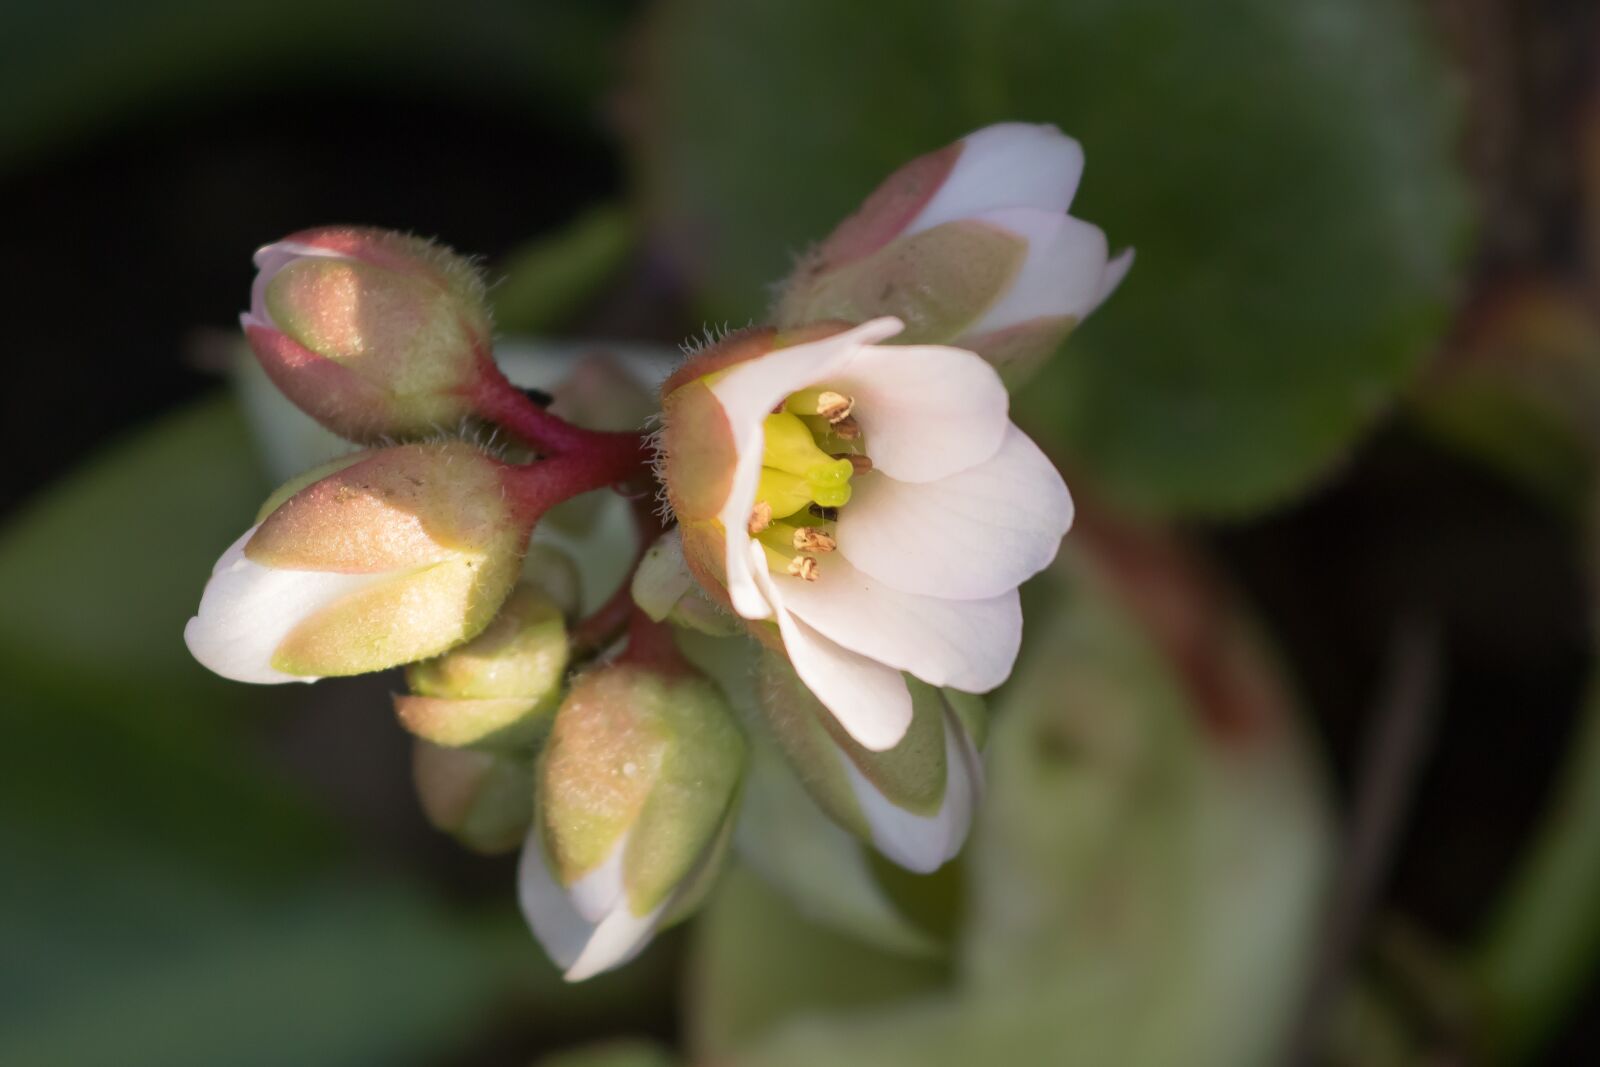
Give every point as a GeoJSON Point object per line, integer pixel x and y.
{"type": "Point", "coordinates": [811, 539]}
{"type": "Point", "coordinates": [861, 463]}
{"type": "Point", "coordinates": [834, 406]}
{"type": "Point", "coordinates": [825, 514]}
{"type": "Point", "coordinates": [847, 428]}
{"type": "Point", "coordinates": [760, 517]}
{"type": "Point", "coordinates": [804, 567]}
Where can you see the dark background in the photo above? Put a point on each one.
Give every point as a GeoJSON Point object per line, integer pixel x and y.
{"type": "Point", "coordinates": [125, 238]}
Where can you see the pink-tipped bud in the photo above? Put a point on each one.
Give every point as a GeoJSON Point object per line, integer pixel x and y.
{"type": "Point", "coordinates": [971, 246]}
{"type": "Point", "coordinates": [373, 333]}
{"type": "Point", "coordinates": [379, 559]}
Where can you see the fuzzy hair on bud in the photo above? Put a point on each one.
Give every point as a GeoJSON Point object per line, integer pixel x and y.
{"type": "Point", "coordinates": [396, 555]}
{"type": "Point", "coordinates": [374, 334]}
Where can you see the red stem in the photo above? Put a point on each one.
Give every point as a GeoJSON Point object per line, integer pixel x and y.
{"type": "Point", "coordinates": [650, 644]}
{"type": "Point", "coordinates": [497, 400]}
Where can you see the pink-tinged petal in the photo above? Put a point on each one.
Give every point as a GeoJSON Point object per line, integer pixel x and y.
{"type": "Point", "coordinates": [269, 260]}
{"type": "Point", "coordinates": [581, 947]}
{"type": "Point", "coordinates": [969, 536]}
{"type": "Point", "coordinates": [967, 644]}
{"type": "Point", "coordinates": [871, 701]}
{"type": "Point", "coordinates": [1010, 164]}
{"type": "Point", "coordinates": [926, 411]}
{"type": "Point", "coordinates": [247, 610]}
{"type": "Point", "coordinates": [924, 843]}
{"type": "Point", "coordinates": [1063, 273]}
{"type": "Point", "coordinates": [748, 392]}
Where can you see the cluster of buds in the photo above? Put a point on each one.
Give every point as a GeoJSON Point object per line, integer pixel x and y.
{"type": "Point", "coordinates": [851, 511]}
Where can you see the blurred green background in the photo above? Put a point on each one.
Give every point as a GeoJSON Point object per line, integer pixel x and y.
{"type": "Point", "coordinates": [1296, 766]}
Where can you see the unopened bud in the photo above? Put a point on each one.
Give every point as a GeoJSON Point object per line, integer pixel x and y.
{"type": "Point", "coordinates": [913, 802]}
{"type": "Point", "coordinates": [396, 555]}
{"type": "Point", "coordinates": [633, 804]}
{"type": "Point", "coordinates": [971, 246]}
{"type": "Point", "coordinates": [496, 691]}
{"type": "Point", "coordinates": [666, 591]}
{"type": "Point", "coordinates": [373, 333]}
{"type": "Point", "coordinates": [482, 799]}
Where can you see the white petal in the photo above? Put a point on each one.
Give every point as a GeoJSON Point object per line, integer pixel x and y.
{"type": "Point", "coordinates": [580, 947]}
{"type": "Point", "coordinates": [870, 700]}
{"type": "Point", "coordinates": [269, 260]}
{"type": "Point", "coordinates": [1063, 273]}
{"type": "Point", "coordinates": [662, 578]}
{"type": "Point", "coordinates": [748, 393]}
{"type": "Point", "coordinates": [1116, 270]}
{"type": "Point", "coordinates": [926, 411]}
{"type": "Point", "coordinates": [972, 535]}
{"type": "Point", "coordinates": [967, 644]}
{"type": "Point", "coordinates": [247, 610]}
{"type": "Point", "coordinates": [924, 843]}
{"type": "Point", "coordinates": [1010, 164]}
{"type": "Point", "coordinates": [599, 891]}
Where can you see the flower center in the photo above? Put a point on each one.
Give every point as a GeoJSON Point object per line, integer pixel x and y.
{"type": "Point", "coordinates": [813, 448]}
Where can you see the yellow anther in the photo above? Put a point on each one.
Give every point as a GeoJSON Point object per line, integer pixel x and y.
{"type": "Point", "coordinates": [811, 539]}
{"type": "Point", "coordinates": [831, 405]}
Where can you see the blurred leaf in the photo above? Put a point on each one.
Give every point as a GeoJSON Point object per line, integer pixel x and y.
{"type": "Point", "coordinates": [168, 899]}
{"type": "Point", "coordinates": [542, 284]}
{"type": "Point", "coordinates": [102, 571]}
{"type": "Point", "coordinates": [1283, 167]}
{"type": "Point", "coordinates": [759, 963]}
{"type": "Point", "coordinates": [1519, 387]}
{"type": "Point", "coordinates": [1146, 871]}
{"type": "Point", "coordinates": [75, 66]}
{"type": "Point", "coordinates": [613, 1054]}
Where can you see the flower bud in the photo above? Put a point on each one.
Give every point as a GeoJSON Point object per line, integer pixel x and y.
{"type": "Point", "coordinates": [497, 690]}
{"type": "Point", "coordinates": [970, 245]}
{"type": "Point", "coordinates": [378, 559]}
{"type": "Point", "coordinates": [482, 799]}
{"type": "Point", "coordinates": [633, 805]}
{"type": "Point", "coordinates": [373, 333]}
{"type": "Point", "coordinates": [664, 589]}
{"type": "Point", "coordinates": [913, 802]}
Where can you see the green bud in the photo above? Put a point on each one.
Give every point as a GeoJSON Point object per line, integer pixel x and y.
{"type": "Point", "coordinates": [483, 799]}
{"type": "Point", "coordinates": [496, 691]}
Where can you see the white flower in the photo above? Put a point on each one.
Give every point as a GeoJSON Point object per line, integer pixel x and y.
{"type": "Point", "coordinates": [970, 245]}
{"type": "Point", "coordinates": [917, 569]}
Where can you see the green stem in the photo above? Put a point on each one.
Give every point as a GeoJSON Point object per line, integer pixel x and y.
{"type": "Point", "coordinates": [1541, 943]}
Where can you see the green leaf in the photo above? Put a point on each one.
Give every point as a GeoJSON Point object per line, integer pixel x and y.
{"type": "Point", "coordinates": [1145, 874]}
{"type": "Point", "coordinates": [759, 964]}
{"type": "Point", "coordinates": [1282, 166]}
{"type": "Point", "coordinates": [103, 570]}
{"type": "Point", "coordinates": [544, 283]}
{"type": "Point", "coordinates": [169, 897]}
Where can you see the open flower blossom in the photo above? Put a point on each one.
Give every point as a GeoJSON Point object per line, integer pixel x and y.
{"type": "Point", "coordinates": [970, 245]}
{"type": "Point", "coordinates": [873, 503]}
